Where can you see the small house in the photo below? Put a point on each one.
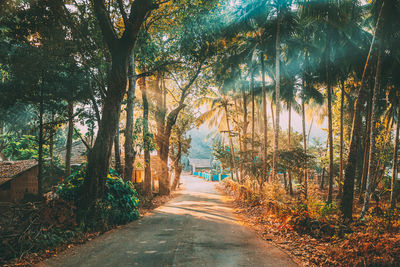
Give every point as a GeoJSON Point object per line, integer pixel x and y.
{"type": "Point", "coordinates": [78, 153]}
{"type": "Point", "coordinates": [138, 170]}
{"type": "Point", "coordinates": [17, 179]}
{"type": "Point", "coordinates": [199, 165]}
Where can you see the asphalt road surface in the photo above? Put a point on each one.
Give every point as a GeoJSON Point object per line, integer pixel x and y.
{"type": "Point", "coordinates": [197, 228]}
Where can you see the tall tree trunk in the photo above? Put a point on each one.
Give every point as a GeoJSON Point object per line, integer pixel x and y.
{"type": "Point", "coordinates": [265, 128]}
{"type": "Point", "coordinates": [231, 143]}
{"type": "Point", "coordinates": [341, 142]}
{"type": "Point", "coordinates": [252, 121]}
{"type": "Point", "coordinates": [290, 187]}
{"type": "Point", "coordinates": [275, 167]}
{"type": "Point", "coordinates": [99, 155]}
{"type": "Point", "coordinates": [2, 157]}
{"type": "Point", "coordinates": [309, 130]}
{"type": "Point", "coordinates": [303, 120]}
{"type": "Point", "coordinates": [51, 150]}
{"type": "Point", "coordinates": [244, 137]}
{"type": "Point", "coordinates": [245, 121]}
{"type": "Point", "coordinates": [364, 174]}
{"type": "Point", "coordinates": [41, 143]}
{"type": "Point", "coordinates": [330, 135]}
{"type": "Point", "coordinates": [161, 137]}
{"type": "Point", "coordinates": [321, 185]}
{"type": "Point", "coordinates": [147, 185]}
{"type": "Point", "coordinates": [272, 115]}
{"type": "Point", "coordinates": [164, 181]}
{"type": "Point", "coordinates": [240, 141]}
{"type": "Point", "coordinates": [372, 166]}
{"type": "Point", "coordinates": [395, 170]}
{"type": "Point", "coordinates": [69, 138]}
{"type": "Point", "coordinates": [177, 176]}
{"type": "Point", "coordinates": [120, 49]}
{"type": "Point", "coordinates": [130, 153]}
{"type": "Point", "coordinates": [164, 128]}
{"type": "Point", "coordinates": [177, 165]}
{"type": "Point", "coordinates": [346, 205]}
{"type": "Point", "coordinates": [117, 151]}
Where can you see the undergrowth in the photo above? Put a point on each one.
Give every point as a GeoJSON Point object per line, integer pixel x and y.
{"type": "Point", "coordinates": [39, 228]}
{"type": "Point", "coordinates": [119, 204]}
{"type": "Point", "coordinates": [374, 241]}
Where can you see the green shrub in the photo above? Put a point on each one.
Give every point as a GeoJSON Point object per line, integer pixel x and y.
{"type": "Point", "coordinates": [119, 204]}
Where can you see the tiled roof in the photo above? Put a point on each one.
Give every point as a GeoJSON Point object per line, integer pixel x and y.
{"type": "Point", "coordinates": [9, 169]}
{"type": "Point", "coordinates": [78, 152]}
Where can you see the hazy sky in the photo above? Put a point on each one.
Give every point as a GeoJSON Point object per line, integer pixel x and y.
{"type": "Point", "coordinates": [316, 130]}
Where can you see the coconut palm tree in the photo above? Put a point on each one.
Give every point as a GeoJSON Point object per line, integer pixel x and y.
{"type": "Point", "coordinates": [218, 107]}
{"type": "Point", "coordinates": [330, 23]}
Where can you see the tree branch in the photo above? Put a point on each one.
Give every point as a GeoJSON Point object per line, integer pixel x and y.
{"type": "Point", "coordinates": [186, 88]}
{"type": "Point", "coordinates": [151, 72]}
{"type": "Point", "coordinates": [138, 13]}
{"type": "Point", "coordinates": [83, 140]}
{"type": "Point", "coordinates": [105, 23]}
{"type": "Point", "coordinates": [95, 107]}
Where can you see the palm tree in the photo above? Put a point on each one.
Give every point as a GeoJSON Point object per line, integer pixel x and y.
{"type": "Point", "coordinates": [332, 22]}
{"type": "Point", "coordinates": [373, 134]}
{"type": "Point", "coordinates": [217, 109]}
{"type": "Point", "coordinates": [284, 28]}
{"type": "Point", "coordinates": [346, 205]}
{"type": "Point", "coordinates": [395, 163]}
{"type": "Point", "coordinates": [277, 92]}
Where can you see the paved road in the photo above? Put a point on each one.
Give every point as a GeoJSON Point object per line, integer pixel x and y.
{"type": "Point", "coordinates": [197, 228]}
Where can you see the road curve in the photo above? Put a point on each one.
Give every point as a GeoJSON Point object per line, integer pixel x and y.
{"type": "Point", "coordinates": [197, 228]}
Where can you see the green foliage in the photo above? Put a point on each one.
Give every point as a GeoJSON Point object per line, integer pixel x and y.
{"type": "Point", "coordinates": [118, 206]}
{"type": "Point", "coordinates": [20, 148]}
{"type": "Point", "coordinates": [223, 154]}
{"type": "Point", "coordinates": [327, 210]}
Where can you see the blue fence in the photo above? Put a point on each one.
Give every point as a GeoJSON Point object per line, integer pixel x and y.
{"type": "Point", "coordinates": [211, 177]}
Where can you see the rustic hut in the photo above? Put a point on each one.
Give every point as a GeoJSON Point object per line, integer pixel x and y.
{"type": "Point", "coordinates": [199, 165]}
{"type": "Point", "coordinates": [138, 170]}
{"type": "Point", "coordinates": [17, 179]}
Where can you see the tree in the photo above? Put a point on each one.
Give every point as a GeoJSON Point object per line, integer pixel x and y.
{"type": "Point", "coordinates": [346, 205]}
{"type": "Point", "coordinates": [120, 48]}
{"type": "Point", "coordinates": [395, 162]}
{"type": "Point", "coordinates": [277, 91]}
{"type": "Point", "coordinates": [146, 141]}
{"type": "Point", "coordinates": [130, 153]}
{"type": "Point", "coordinates": [180, 143]}
{"type": "Point", "coordinates": [218, 115]}
{"type": "Point", "coordinates": [54, 75]}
